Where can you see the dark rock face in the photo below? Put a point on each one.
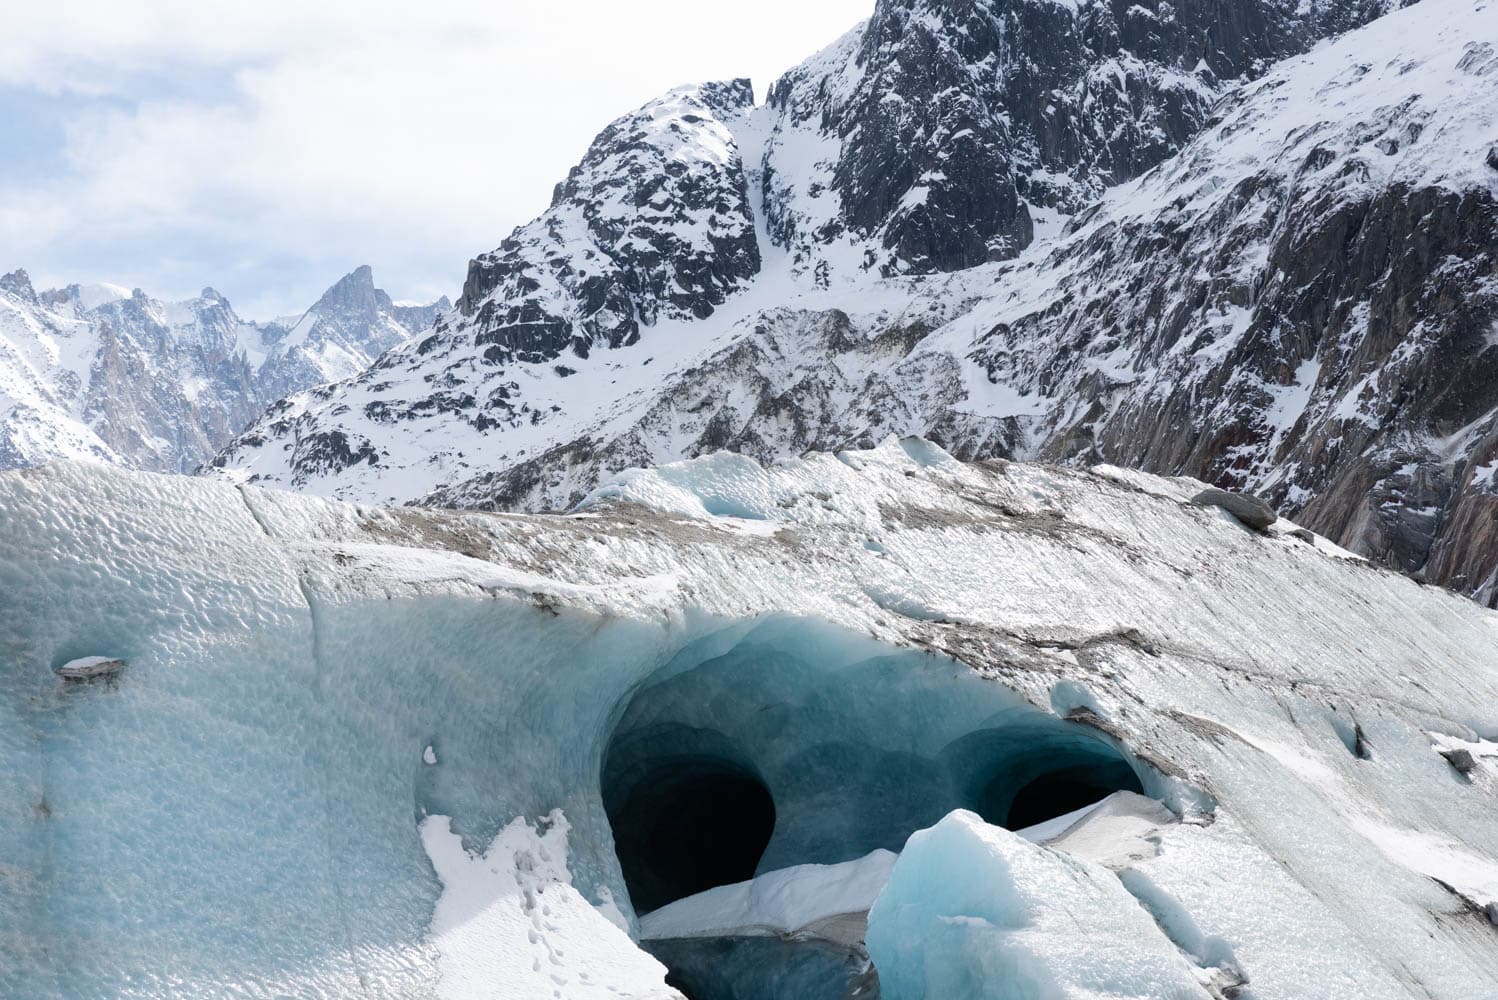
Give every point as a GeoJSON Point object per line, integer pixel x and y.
{"type": "Point", "coordinates": [1348, 291]}
{"type": "Point", "coordinates": [965, 115]}
{"type": "Point", "coordinates": [655, 221]}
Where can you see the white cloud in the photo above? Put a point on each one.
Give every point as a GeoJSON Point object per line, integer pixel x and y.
{"type": "Point", "coordinates": [273, 146]}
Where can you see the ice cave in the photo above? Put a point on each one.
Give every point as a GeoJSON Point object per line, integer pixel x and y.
{"type": "Point", "coordinates": [799, 745]}
{"type": "Point", "coordinates": [795, 746]}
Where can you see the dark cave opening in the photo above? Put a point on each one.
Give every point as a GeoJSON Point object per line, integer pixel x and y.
{"type": "Point", "coordinates": [1057, 793]}
{"type": "Point", "coordinates": [1033, 771]}
{"type": "Point", "coordinates": [686, 823]}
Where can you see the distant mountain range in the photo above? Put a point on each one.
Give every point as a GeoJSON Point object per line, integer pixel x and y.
{"type": "Point", "coordinates": [99, 371]}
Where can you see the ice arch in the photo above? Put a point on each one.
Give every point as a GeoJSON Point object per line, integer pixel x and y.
{"type": "Point", "coordinates": [1030, 771]}
{"type": "Point", "coordinates": [791, 743]}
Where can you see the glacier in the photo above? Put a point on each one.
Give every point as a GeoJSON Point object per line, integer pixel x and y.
{"type": "Point", "coordinates": [358, 751]}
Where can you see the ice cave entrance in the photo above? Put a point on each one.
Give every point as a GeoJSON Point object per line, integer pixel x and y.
{"type": "Point", "coordinates": [690, 815]}
{"type": "Point", "coordinates": [799, 744]}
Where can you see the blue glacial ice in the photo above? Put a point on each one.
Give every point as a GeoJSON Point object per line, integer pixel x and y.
{"type": "Point", "coordinates": [972, 910]}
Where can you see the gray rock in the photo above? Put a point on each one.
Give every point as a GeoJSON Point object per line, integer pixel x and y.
{"type": "Point", "coordinates": [1253, 512]}
{"type": "Point", "coordinates": [1305, 536]}
{"type": "Point", "coordinates": [1460, 759]}
{"type": "Point", "coordinates": [1492, 160]}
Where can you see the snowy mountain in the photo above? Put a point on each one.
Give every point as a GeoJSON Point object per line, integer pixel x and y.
{"type": "Point", "coordinates": [879, 723]}
{"type": "Point", "coordinates": [109, 374]}
{"type": "Point", "coordinates": [989, 223]}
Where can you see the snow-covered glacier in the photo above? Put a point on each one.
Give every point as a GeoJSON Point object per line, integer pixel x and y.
{"type": "Point", "coordinates": [836, 727]}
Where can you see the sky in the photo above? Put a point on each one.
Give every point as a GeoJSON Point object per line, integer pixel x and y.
{"type": "Point", "coordinates": [265, 149]}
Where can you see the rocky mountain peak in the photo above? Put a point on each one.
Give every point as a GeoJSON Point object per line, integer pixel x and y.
{"type": "Point", "coordinates": [654, 222]}
{"type": "Point", "coordinates": [354, 293]}
{"type": "Point", "coordinates": [18, 283]}
{"type": "Point", "coordinates": [162, 385]}
{"type": "Point", "coordinates": [952, 126]}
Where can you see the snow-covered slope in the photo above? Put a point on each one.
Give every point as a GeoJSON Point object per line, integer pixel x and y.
{"type": "Point", "coordinates": [404, 752]}
{"type": "Point", "coordinates": [935, 137]}
{"type": "Point", "coordinates": [1300, 304]}
{"type": "Point", "coordinates": [105, 373]}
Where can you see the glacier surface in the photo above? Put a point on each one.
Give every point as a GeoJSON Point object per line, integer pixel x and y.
{"type": "Point", "coordinates": [386, 752]}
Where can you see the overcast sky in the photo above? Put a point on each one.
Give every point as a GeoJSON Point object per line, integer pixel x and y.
{"type": "Point", "coordinates": [267, 148]}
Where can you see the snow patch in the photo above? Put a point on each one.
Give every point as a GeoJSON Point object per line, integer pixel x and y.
{"type": "Point", "coordinates": [510, 925]}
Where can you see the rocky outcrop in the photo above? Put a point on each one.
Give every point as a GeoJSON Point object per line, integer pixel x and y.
{"type": "Point", "coordinates": [342, 334]}
{"type": "Point", "coordinates": [653, 223]}
{"type": "Point", "coordinates": [1250, 510]}
{"type": "Point", "coordinates": [945, 125]}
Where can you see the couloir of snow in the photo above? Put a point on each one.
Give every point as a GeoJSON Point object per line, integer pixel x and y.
{"type": "Point", "coordinates": [359, 751]}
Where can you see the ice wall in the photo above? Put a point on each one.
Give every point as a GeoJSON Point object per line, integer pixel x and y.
{"type": "Point", "coordinates": [239, 812]}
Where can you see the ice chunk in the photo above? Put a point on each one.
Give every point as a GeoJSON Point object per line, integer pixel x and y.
{"type": "Point", "coordinates": [795, 899]}
{"type": "Point", "coordinates": [976, 911]}
{"type": "Point", "coordinates": [1118, 830]}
